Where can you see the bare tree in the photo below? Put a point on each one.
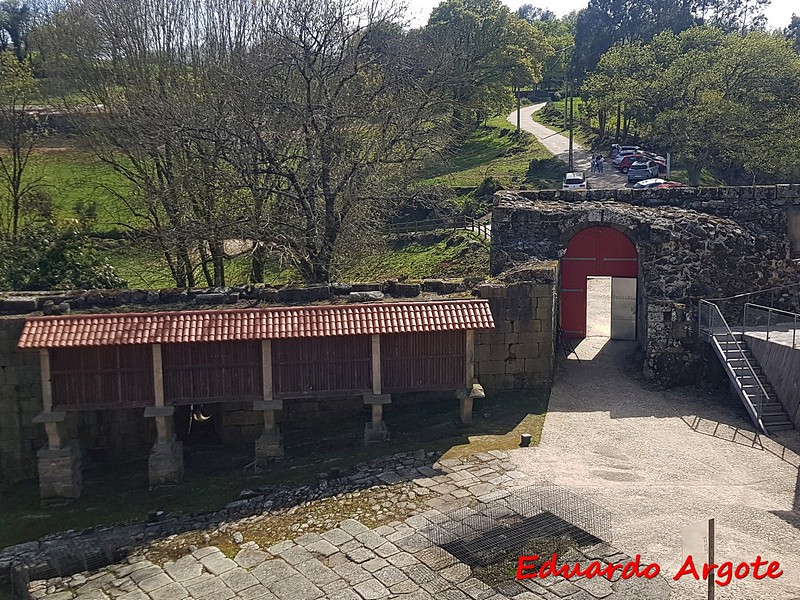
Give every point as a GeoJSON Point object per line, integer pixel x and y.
{"type": "Point", "coordinates": [282, 122]}
{"type": "Point", "coordinates": [19, 130]}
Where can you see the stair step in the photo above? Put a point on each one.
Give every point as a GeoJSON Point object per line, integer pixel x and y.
{"type": "Point", "coordinates": [781, 427]}
{"type": "Point", "coordinates": [775, 418]}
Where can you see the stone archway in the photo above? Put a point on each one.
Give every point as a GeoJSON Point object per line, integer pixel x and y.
{"type": "Point", "coordinates": [604, 252]}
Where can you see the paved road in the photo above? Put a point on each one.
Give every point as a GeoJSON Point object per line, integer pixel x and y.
{"type": "Point", "coordinates": [558, 144]}
{"type": "Point", "coordinates": [659, 460]}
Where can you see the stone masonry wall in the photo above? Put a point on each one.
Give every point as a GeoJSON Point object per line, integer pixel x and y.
{"type": "Point", "coordinates": [20, 402]}
{"type": "Point", "coordinates": [519, 353]}
{"type": "Point", "coordinates": [700, 243]}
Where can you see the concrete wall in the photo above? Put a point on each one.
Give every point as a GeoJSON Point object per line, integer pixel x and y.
{"type": "Point", "coordinates": [519, 353]}
{"type": "Point", "coordinates": [781, 365]}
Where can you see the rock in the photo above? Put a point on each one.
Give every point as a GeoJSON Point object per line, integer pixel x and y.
{"type": "Point", "coordinates": [212, 298]}
{"type": "Point", "coordinates": [407, 290]}
{"type": "Point", "coordinates": [364, 296]}
{"type": "Point", "coordinates": [238, 538]}
{"type": "Point", "coordinates": [312, 293]}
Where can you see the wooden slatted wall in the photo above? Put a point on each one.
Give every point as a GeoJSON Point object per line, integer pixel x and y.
{"type": "Point", "coordinates": [423, 361]}
{"type": "Point", "coordinates": [101, 377]}
{"type": "Point", "coordinates": [322, 366]}
{"type": "Point", "coordinates": [212, 372]}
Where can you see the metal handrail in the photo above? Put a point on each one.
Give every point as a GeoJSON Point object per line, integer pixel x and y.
{"type": "Point", "coordinates": [770, 311]}
{"type": "Point", "coordinates": [774, 289]}
{"type": "Point", "coordinates": [714, 312]}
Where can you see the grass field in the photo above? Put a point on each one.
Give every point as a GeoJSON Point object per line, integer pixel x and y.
{"type": "Point", "coordinates": [494, 150]}
{"type": "Point", "coordinates": [71, 176]}
{"type": "Point", "coordinates": [445, 254]}
{"type": "Point", "coordinates": [214, 478]}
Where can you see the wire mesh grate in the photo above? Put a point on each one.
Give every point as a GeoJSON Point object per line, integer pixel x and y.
{"type": "Point", "coordinates": [490, 532]}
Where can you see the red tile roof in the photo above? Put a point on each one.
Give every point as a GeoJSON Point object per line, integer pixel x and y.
{"type": "Point", "coordinates": [254, 324]}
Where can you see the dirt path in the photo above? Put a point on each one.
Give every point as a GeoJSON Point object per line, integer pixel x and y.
{"type": "Point", "coordinates": [658, 461]}
{"type": "Point", "coordinates": [558, 144]}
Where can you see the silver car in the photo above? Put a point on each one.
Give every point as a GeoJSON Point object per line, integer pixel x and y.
{"type": "Point", "coordinates": [642, 169]}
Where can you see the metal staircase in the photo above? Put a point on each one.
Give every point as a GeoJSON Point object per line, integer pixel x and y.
{"type": "Point", "coordinates": [746, 376]}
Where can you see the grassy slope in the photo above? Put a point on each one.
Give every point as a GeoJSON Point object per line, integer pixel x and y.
{"type": "Point", "coordinates": [447, 254]}
{"type": "Point", "coordinates": [495, 150]}
{"type": "Point", "coordinates": [213, 478]}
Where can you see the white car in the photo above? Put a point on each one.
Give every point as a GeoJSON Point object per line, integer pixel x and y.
{"type": "Point", "coordinates": [618, 158]}
{"type": "Point", "coordinates": [648, 183]}
{"type": "Point", "coordinates": [575, 181]}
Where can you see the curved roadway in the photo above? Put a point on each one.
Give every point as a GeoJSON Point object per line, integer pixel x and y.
{"type": "Point", "coordinates": [558, 144]}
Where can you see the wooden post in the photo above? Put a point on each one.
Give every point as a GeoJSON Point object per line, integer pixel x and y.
{"type": "Point", "coordinates": [711, 535]}
{"type": "Point", "coordinates": [377, 385]}
{"type": "Point", "coordinates": [266, 369]}
{"type": "Point", "coordinates": [47, 388]}
{"type": "Point", "coordinates": [469, 353]}
{"type": "Point", "coordinates": [158, 375]}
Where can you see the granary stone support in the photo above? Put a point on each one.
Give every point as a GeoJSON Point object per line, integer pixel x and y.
{"type": "Point", "coordinates": [375, 430]}
{"type": "Point", "coordinates": [165, 464]}
{"type": "Point", "coordinates": [473, 389]}
{"type": "Point", "coordinates": [59, 465]}
{"type": "Point", "coordinates": [269, 446]}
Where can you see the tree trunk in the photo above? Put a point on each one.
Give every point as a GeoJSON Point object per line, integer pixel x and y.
{"type": "Point", "coordinates": [258, 263]}
{"type": "Point", "coordinates": [619, 120]}
{"type": "Point", "coordinates": [693, 170]}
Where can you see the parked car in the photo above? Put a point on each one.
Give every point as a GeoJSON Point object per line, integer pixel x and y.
{"type": "Point", "coordinates": [671, 184]}
{"type": "Point", "coordinates": [642, 169]}
{"type": "Point", "coordinates": [646, 184]}
{"type": "Point", "coordinates": [575, 181]}
{"type": "Point", "coordinates": [627, 161]}
{"type": "Point", "coordinates": [616, 149]}
{"type": "Point", "coordinates": [622, 154]}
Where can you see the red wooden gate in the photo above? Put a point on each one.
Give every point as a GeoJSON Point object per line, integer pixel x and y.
{"type": "Point", "coordinates": [598, 252]}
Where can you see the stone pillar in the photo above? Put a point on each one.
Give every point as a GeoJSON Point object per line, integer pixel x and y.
{"type": "Point", "coordinates": [375, 430]}
{"type": "Point", "coordinates": [473, 388]}
{"type": "Point", "coordinates": [59, 465]}
{"type": "Point", "coordinates": [165, 463]}
{"type": "Point", "coordinates": [269, 446]}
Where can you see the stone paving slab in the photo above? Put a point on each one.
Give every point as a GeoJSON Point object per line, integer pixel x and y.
{"type": "Point", "coordinates": [348, 562]}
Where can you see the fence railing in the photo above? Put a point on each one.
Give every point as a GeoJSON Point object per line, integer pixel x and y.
{"type": "Point", "coordinates": [771, 321]}
{"type": "Point", "coordinates": [712, 324]}
{"type": "Point", "coordinates": [484, 230]}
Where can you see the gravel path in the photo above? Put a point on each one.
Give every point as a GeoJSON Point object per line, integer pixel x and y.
{"type": "Point", "coordinates": [660, 460]}
{"type": "Point", "coordinates": [558, 144]}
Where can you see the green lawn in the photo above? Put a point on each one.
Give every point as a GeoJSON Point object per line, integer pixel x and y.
{"type": "Point", "coordinates": [213, 478]}
{"type": "Point", "coordinates": [443, 254]}
{"type": "Point", "coordinates": [493, 150]}
{"type": "Point", "coordinates": [71, 176]}
{"type": "Point", "coordinates": [456, 255]}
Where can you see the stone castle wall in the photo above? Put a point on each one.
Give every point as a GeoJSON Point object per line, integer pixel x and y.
{"type": "Point", "coordinates": [692, 244]}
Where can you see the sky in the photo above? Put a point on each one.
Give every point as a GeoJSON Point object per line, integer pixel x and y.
{"type": "Point", "coordinates": [779, 12]}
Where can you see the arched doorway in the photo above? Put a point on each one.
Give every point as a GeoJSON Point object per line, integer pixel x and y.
{"type": "Point", "coordinates": [603, 252]}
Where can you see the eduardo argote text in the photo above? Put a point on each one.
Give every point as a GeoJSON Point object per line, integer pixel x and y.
{"type": "Point", "coordinates": [724, 572]}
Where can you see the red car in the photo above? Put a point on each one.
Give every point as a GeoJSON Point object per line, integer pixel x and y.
{"type": "Point", "coordinates": [629, 160]}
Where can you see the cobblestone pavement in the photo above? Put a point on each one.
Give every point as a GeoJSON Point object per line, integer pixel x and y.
{"type": "Point", "coordinates": [659, 460]}
{"type": "Point", "coordinates": [352, 562]}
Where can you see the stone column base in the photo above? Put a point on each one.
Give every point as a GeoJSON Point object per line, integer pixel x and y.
{"type": "Point", "coordinates": [165, 465]}
{"type": "Point", "coordinates": [375, 434]}
{"type": "Point", "coordinates": [59, 474]}
{"type": "Point", "coordinates": [269, 448]}
{"type": "Point", "coordinates": [465, 411]}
